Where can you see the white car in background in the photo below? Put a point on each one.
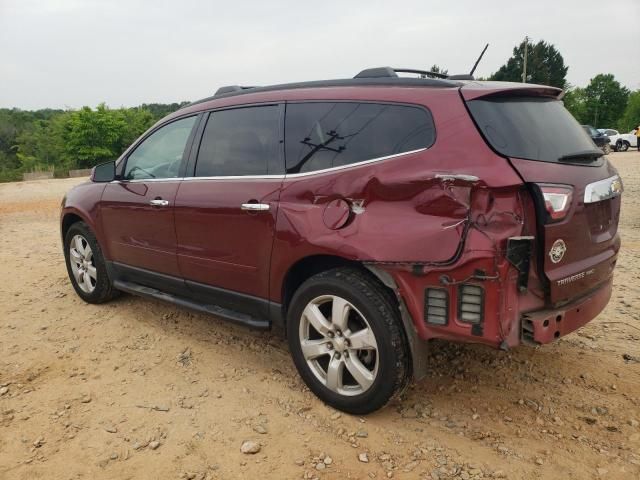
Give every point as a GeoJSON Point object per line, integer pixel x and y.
{"type": "Point", "coordinates": [620, 142]}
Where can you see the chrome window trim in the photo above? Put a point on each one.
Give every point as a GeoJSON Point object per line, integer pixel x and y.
{"type": "Point", "coordinates": [274, 177]}
{"type": "Point", "coordinates": [236, 177]}
{"type": "Point", "coordinates": [353, 165]}
{"type": "Point", "coordinates": [603, 189]}
{"type": "Point", "coordinates": [145, 180]}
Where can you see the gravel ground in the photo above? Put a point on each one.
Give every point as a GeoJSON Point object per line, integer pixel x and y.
{"type": "Point", "coordinates": [140, 389]}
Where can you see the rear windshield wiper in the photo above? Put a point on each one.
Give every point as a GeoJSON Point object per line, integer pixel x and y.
{"type": "Point", "coordinates": [588, 155]}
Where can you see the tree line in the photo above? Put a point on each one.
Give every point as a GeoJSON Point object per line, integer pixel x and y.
{"type": "Point", "coordinates": [603, 103]}
{"type": "Point", "coordinates": [61, 140]}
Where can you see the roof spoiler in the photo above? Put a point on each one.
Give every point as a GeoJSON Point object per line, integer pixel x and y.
{"type": "Point", "coordinates": [473, 91]}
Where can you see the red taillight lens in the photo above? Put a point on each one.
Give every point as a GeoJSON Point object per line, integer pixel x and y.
{"type": "Point", "coordinates": [557, 200]}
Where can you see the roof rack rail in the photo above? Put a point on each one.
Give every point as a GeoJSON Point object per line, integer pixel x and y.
{"type": "Point", "coordinates": [393, 72]}
{"type": "Point", "coordinates": [461, 76]}
{"type": "Point", "coordinates": [230, 88]}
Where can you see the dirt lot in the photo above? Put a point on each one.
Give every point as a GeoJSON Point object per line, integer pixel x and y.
{"type": "Point", "coordinates": [140, 389]}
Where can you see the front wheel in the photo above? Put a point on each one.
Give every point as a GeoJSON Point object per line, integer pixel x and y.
{"type": "Point", "coordinates": [86, 265]}
{"type": "Point", "coordinates": [347, 341]}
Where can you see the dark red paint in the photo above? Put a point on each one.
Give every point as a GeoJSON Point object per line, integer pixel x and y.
{"type": "Point", "coordinates": [406, 222]}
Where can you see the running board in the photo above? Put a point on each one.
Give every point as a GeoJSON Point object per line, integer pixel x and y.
{"type": "Point", "coordinates": [235, 317]}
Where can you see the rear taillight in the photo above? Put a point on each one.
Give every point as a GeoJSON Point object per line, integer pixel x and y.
{"type": "Point", "coordinates": [557, 200]}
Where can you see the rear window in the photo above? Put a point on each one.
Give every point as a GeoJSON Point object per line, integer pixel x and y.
{"type": "Point", "coordinates": [529, 128]}
{"type": "Point", "coordinates": [322, 135]}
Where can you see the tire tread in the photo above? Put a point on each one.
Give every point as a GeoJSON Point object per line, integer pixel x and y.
{"type": "Point", "coordinates": [104, 289]}
{"type": "Point", "coordinates": [382, 301]}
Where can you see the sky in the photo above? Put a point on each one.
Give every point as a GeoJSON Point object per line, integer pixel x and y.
{"type": "Point", "coordinates": [71, 53]}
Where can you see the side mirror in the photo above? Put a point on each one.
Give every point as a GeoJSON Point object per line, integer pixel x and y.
{"type": "Point", "coordinates": [105, 172]}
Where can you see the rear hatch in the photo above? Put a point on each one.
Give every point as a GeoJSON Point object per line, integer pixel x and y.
{"type": "Point", "coordinates": [576, 190]}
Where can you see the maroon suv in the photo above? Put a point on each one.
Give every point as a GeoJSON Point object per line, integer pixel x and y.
{"type": "Point", "coordinates": [364, 217]}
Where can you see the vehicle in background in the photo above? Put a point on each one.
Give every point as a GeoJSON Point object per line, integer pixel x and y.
{"type": "Point", "coordinates": [363, 217]}
{"type": "Point", "coordinates": [608, 132]}
{"type": "Point", "coordinates": [599, 138]}
{"type": "Point", "coordinates": [620, 142]}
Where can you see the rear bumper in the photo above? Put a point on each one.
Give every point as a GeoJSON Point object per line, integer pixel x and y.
{"type": "Point", "coordinates": [544, 326]}
{"type": "Point", "coordinates": [511, 317]}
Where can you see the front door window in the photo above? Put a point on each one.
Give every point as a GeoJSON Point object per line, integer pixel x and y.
{"type": "Point", "coordinates": [160, 154]}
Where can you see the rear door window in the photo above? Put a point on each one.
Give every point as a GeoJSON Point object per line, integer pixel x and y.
{"type": "Point", "coordinates": [529, 128]}
{"type": "Point", "coordinates": [321, 135]}
{"type": "Point", "coordinates": [240, 142]}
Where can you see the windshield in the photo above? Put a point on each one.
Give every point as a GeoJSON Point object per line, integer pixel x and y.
{"type": "Point", "coordinates": [530, 128]}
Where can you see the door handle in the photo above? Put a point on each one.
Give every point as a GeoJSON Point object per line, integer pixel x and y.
{"type": "Point", "coordinates": [158, 202]}
{"type": "Point", "coordinates": [255, 207]}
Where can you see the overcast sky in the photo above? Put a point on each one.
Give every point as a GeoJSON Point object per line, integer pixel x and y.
{"type": "Point", "coordinates": [70, 53]}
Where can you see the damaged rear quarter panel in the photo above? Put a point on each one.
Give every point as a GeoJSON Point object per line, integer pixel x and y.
{"type": "Point", "coordinates": [400, 212]}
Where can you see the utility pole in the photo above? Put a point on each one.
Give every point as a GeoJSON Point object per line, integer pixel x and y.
{"type": "Point", "coordinates": [524, 69]}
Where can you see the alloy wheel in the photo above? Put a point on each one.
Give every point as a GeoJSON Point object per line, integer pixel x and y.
{"type": "Point", "coordinates": [82, 264]}
{"type": "Point", "coordinates": [339, 345]}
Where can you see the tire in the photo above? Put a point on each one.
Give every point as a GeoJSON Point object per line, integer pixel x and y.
{"type": "Point", "coordinates": [624, 147]}
{"type": "Point", "coordinates": [86, 266]}
{"type": "Point", "coordinates": [369, 319]}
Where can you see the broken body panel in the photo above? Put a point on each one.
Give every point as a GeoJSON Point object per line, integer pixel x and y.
{"type": "Point", "coordinates": [444, 217]}
{"type": "Point", "coordinates": [451, 217]}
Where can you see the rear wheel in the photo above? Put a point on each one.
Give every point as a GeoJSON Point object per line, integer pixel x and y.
{"type": "Point", "coordinates": [86, 266]}
{"type": "Point", "coordinates": [622, 146]}
{"type": "Point", "coordinates": [347, 341]}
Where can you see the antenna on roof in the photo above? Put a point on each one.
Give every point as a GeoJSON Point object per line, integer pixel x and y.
{"type": "Point", "coordinates": [479, 58]}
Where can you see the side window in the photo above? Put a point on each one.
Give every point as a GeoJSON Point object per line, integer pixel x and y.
{"type": "Point", "coordinates": [160, 154]}
{"type": "Point", "coordinates": [239, 142]}
{"type": "Point", "coordinates": [324, 135]}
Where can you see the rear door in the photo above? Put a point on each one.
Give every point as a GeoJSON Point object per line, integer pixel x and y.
{"type": "Point", "coordinates": [226, 211]}
{"type": "Point", "coordinates": [576, 189]}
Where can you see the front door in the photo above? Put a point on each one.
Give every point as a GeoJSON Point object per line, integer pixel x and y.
{"type": "Point", "coordinates": [225, 213]}
{"type": "Point", "coordinates": [137, 211]}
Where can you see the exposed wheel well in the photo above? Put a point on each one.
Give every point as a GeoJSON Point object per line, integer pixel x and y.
{"type": "Point", "coordinates": [68, 220]}
{"type": "Point", "coordinates": [310, 266]}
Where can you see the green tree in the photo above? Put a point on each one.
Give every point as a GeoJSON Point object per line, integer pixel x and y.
{"type": "Point", "coordinates": [93, 136]}
{"type": "Point", "coordinates": [631, 116]}
{"type": "Point", "coordinates": [545, 65]}
{"type": "Point", "coordinates": [605, 101]}
{"type": "Point", "coordinates": [436, 69]}
{"type": "Point", "coordinates": [70, 139]}
{"type": "Point", "coordinates": [574, 101]}
{"type": "Point", "coordinates": [159, 110]}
